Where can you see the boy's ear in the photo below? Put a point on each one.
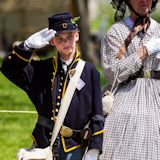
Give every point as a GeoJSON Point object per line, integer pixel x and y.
{"type": "Point", "coordinates": [51, 42]}
{"type": "Point", "coordinates": [77, 36]}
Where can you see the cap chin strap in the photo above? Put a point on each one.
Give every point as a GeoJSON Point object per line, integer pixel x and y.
{"type": "Point", "coordinates": [137, 14]}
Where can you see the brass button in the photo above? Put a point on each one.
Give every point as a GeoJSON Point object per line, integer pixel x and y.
{"type": "Point", "coordinates": [56, 110]}
{"type": "Point", "coordinates": [61, 78]}
{"type": "Point", "coordinates": [50, 133]}
{"type": "Point", "coordinates": [51, 80]}
{"type": "Point", "coordinates": [58, 103]}
{"type": "Point", "coordinates": [60, 90]}
{"type": "Point", "coordinates": [9, 57]}
{"type": "Point", "coordinates": [52, 118]}
{"type": "Point", "coordinates": [61, 84]}
{"type": "Point", "coordinates": [59, 97]}
{"type": "Point", "coordinates": [52, 111]}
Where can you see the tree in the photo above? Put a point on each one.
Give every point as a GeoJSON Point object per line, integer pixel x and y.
{"type": "Point", "coordinates": [80, 8]}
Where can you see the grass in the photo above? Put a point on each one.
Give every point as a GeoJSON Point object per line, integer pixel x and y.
{"type": "Point", "coordinates": [16, 128]}
{"type": "Point", "coordinates": [11, 95]}
{"type": "Point", "coordinates": [15, 132]}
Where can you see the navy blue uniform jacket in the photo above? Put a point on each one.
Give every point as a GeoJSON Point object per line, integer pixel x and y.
{"type": "Point", "coordinates": [41, 80]}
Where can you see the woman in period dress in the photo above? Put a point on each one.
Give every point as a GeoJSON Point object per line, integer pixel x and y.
{"type": "Point", "coordinates": [130, 49]}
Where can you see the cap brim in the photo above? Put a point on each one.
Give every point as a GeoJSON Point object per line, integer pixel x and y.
{"type": "Point", "coordinates": [68, 30]}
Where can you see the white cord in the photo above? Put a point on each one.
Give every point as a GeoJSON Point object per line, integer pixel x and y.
{"type": "Point", "coordinates": [14, 111]}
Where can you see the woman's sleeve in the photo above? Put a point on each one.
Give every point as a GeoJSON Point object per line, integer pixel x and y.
{"type": "Point", "coordinates": [126, 66]}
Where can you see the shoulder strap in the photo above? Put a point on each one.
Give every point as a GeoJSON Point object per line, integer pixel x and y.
{"type": "Point", "coordinates": [66, 100]}
{"type": "Point", "coordinates": [114, 82]}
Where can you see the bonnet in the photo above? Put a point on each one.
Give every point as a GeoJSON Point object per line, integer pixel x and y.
{"type": "Point", "coordinates": [120, 6]}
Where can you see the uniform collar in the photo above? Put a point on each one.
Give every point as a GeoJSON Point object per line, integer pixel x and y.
{"type": "Point", "coordinates": [57, 60]}
{"type": "Point", "coordinates": [68, 62]}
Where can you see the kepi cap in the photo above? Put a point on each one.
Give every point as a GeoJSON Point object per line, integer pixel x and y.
{"type": "Point", "coordinates": [63, 22]}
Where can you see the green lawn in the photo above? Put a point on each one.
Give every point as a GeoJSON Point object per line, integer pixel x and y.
{"type": "Point", "coordinates": [15, 132]}
{"type": "Point", "coordinates": [15, 128]}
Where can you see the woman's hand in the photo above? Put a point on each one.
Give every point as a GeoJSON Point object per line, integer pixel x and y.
{"type": "Point", "coordinates": [142, 53]}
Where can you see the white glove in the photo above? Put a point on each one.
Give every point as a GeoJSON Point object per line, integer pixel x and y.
{"type": "Point", "coordinates": [92, 154]}
{"type": "Point", "coordinates": [35, 153]}
{"type": "Point", "coordinates": [20, 153]}
{"type": "Point", "coordinates": [39, 39]}
{"type": "Point", "coordinates": [153, 45]}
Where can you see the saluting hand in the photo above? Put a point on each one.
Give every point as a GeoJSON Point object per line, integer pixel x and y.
{"type": "Point", "coordinates": [39, 39]}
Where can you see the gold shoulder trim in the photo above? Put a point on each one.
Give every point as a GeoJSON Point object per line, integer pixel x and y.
{"type": "Point", "coordinates": [26, 60]}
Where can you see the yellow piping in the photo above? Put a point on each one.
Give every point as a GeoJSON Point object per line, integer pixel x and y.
{"type": "Point", "coordinates": [98, 132]}
{"type": "Point", "coordinates": [70, 149]}
{"type": "Point", "coordinates": [65, 82]}
{"type": "Point", "coordinates": [26, 60]}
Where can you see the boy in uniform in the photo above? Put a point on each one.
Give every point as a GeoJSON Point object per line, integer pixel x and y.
{"type": "Point", "coordinates": [45, 82]}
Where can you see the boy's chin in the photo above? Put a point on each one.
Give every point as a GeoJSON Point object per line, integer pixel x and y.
{"type": "Point", "coordinates": [68, 52]}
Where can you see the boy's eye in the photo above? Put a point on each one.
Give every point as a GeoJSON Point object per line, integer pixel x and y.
{"type": "Point", "coordinates": [58, 39]}
{"type": "Point", "coordinates": [69, 37]}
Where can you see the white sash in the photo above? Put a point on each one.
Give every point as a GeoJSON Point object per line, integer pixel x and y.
{"type": "Point", "coordinates": [46, 153]}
